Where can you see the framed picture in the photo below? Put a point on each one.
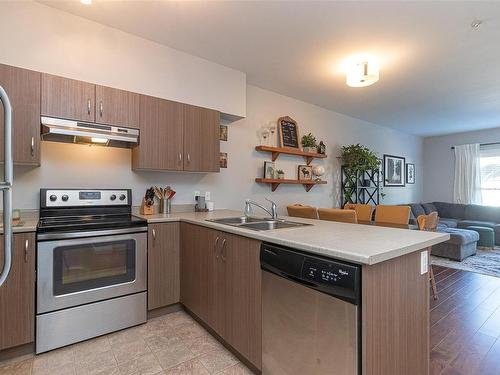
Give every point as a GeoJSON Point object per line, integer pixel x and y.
{"type": "Point", "coordinates": [305, 172]}
{"type": "Point", "coordinates": [288, 131]}
{"type": "Point", "coordinates": [223, 133]}
{"type": "Point", "coordinates": [410, 173]}
{"type": "Point", "coordinates": [223, 159]}
{"type": "Point", "coordinates": [394, 169]}
{"type": "Point", "coordinates": [269, 169]}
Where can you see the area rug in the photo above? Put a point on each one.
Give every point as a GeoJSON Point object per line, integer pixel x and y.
{"type": "Point", "coordinates": [486, 262]}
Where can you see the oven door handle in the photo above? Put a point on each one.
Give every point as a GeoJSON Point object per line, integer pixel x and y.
{"type": "Point", "coordinates": [93, 233]}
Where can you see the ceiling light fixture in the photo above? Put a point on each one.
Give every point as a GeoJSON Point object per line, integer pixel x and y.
{"type": "Point", "coordinates": [362, 72]}
{"type": "Point", "coordinates": [86, 2]}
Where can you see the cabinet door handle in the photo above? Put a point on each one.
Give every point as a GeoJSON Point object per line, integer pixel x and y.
{"type": "Point", "coordinates": [100, 108]}
{"type": "Point", "coordinates": [26, 247]}
{"type": "Point", "coordinates": [215, 247]}
{"type": "Point", "coordinates": [153, 232]}
{"type": "Point", "coordinates": [189, 157]}
{"type": "Point", "coordinates": [180, 156]}
{"type": "Point", "coordinates": [223, 250]}
{"type": "Point", "coordinates": [32, 146]}
{"type": "Point", "coordinates": [89, 103]}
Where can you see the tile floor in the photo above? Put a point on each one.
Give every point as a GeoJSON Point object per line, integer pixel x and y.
{"type": "Point", "coordinates": [172, 344]}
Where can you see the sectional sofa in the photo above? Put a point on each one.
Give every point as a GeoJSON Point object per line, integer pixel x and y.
{"type": "Point", "coordinates": [454, 215]}
{"type": "Point", "coordinates": [453, 219]}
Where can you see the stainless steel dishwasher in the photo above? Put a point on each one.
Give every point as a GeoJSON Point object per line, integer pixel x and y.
{"type": "Point", "coordinates": [311, 314]}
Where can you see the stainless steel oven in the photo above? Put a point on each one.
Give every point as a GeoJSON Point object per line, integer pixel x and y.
{"type": "Point", "coordinates": [74, 272]}
{"type": "Point", "coordinates": [91, 266]}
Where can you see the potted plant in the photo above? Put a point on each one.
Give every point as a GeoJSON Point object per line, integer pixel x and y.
{"type": "Point", "coordinates": [309, 143]}
{"type": "Point", "coordinates": [358, 159]}
{"type": "Point", "coordinates": [280, 174]}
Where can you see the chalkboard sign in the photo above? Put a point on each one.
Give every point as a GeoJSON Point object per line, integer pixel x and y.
{"type": "Point", "coordinates": [288, 132]}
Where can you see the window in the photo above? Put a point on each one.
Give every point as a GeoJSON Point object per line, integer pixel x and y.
{"type": "Point", "coordinates": [490, 175]}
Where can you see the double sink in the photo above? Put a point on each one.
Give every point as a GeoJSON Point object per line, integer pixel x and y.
{"type": "Point", "coordinates": [256, 223]}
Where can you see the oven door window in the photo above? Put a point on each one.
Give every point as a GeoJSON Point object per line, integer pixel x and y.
{"type": "Point", "coordinates": [94, 265]}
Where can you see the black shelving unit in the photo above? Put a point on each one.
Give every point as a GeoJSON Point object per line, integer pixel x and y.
{"type": "Point", "coordinates": [360, 187]}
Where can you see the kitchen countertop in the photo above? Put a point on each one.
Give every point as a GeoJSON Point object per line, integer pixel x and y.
{"type": "Point", "coordinates": [358, 243]}
{"type": "Point", "coordinates": [28, 223]}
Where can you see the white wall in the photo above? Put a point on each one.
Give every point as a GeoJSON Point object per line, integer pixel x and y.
{"type": "Point", "coordinates": [41, 38]}
{"type": "Point", "coordinates": [439, 161]}
{"type": "Point", "coordinates": [68, 165]}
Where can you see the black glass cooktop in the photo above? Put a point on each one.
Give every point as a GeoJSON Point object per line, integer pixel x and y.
{"type": "Point", "coordinates": [88, 222]}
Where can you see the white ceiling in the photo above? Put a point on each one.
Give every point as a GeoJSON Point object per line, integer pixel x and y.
{"type": "Point", "coordinates": [437, 75]}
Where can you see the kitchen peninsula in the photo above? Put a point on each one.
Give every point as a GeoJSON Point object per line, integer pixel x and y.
{"type": "Point", "coordinates": [394, 287]}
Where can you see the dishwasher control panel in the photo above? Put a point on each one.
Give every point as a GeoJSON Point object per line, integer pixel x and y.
{"type": "Point", "coordinates": [329, 273]}
{"type": "Point", "coordinates": [331, 276]}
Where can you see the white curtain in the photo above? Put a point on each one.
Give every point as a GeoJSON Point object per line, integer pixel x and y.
{"type": "Point", "coordinates": [467, 186]}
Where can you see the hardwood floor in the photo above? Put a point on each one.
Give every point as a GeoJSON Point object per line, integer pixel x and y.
{"type": "Point", "coordinates": [465, 324]}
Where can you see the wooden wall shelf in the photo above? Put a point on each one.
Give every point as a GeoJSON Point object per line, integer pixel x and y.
{"type": "Point", "coordinates": [275, 182]}
{"type": "Point", "coordinates": [276, 151]}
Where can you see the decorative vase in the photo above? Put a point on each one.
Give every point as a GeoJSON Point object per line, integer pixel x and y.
{"type": "Point", "coordinates": [309, 149]}
{"type": "Point", "coordinates": [281, 176]}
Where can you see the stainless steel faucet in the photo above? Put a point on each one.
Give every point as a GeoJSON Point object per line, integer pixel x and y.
{"type": "Point", "coordinates": [248, 208]}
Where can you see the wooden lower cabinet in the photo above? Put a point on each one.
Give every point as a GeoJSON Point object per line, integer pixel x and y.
{"type": "Point", "coordinates": [243, 304]}
{"type": "Point", "coordinates": [221, 284]}
{"type": "Point", "coordinates": [17, 294]}
{"type": "Point", "coordinates": [163, 265]}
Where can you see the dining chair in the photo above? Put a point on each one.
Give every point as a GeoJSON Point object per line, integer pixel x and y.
{"type": "Point", "coordinates": [299, 210]}
{"type": "Point", "coordinates": [338, 214]}
{"type": "Point", "coordinates": [399, 215]}
{"type": "Point", "coordinates": [429, 223]}
{"type": "Point", "coordinates": [363, 211]}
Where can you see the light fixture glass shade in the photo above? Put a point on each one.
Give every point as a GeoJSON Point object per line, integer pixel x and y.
{"type": "Point", "coordinates": [362, 73]}
{"type": "Point", "coordinates": [86, 2]}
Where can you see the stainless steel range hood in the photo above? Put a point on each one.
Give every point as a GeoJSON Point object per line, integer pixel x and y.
{"type": "Point", "coordinates": [68, 131]}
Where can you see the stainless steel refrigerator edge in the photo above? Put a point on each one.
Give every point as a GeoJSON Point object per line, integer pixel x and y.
{"type": "Point", "coordinates": [6, 186]}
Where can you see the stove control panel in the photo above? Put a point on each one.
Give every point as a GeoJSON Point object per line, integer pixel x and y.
{"type": "Point", "coordinates": [84, 198]}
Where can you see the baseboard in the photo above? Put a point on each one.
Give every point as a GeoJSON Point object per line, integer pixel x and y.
{"type": "Point", "coordinates": [164, 310]}
{"type": "Point", "coordinates": [18, 353]}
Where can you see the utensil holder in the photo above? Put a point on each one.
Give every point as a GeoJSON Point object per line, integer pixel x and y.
{"type": "Point", "coordinates": [165, 206]}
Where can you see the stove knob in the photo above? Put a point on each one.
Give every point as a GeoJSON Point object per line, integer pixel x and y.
{"type": "Point", "coordinates": [65, 198]}
{"type": "Point", "coordinates": [112, 197]}
{"type": "Point", "coordinates": [122, 197]}
{"type": "Point", "coordinates": [53, 198]}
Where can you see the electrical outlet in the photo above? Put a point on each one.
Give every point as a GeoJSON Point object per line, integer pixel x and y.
{"type": "Point", "coordinates": [207, 196]}
{"type": "Point", "coordinates": [424, 262]}
{"type": "Point", "coordinates": [196, 194]}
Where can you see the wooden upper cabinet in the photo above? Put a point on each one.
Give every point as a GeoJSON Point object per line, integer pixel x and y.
{"type": "Point", "coordinates": [23, 88]}
{"type": "Point", "coordinates": [161, 128]}
{"type": "Point", "coordinates": [68, 98]}
{"type": "Point", "coordinates": [163, 265]}
{"type": "Point", "coordinates": [117, 107]}
{"type": "Point", "coordinates": [201, 139]}
{"type": "Point", "coordinates": [17, 294]}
